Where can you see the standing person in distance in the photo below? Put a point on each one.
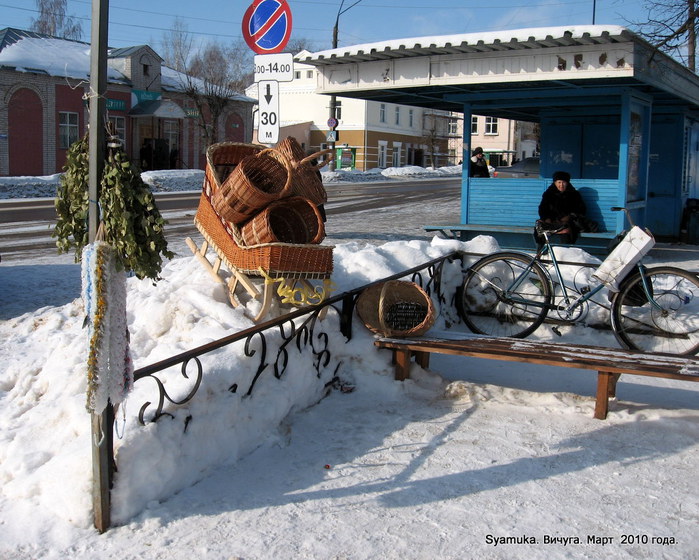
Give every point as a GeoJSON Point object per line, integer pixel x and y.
{"type": "Point", "coordinates": [478, 165]}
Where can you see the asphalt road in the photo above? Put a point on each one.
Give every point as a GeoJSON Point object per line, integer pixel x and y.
{"type": "Point", "coordinates": [366, 211]}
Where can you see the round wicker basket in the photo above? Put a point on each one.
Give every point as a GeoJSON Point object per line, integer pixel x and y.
{"type": "Point", "coordinates": [289, 220]}
{"type": "Point", "coordinates": [396, 308]}
{"type": "Point", "coordinates": [255, 182]}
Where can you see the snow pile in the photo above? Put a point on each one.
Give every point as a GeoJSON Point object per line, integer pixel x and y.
{"type": "Point", "coordinates": [469, 459]}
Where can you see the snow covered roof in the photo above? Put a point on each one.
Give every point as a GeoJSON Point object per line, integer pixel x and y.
{"type": "Point", "coordinates": [515, 39]}
{"type": "Point", "coordinates": [43, 54]}
{"type": "Point", "coordinates": [584, 65]}
{"type": "Point", "coordinates": [26, 51]}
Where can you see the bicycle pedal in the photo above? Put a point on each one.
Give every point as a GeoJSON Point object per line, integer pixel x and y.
{"type": "Point", "coordinates": [555, 329]}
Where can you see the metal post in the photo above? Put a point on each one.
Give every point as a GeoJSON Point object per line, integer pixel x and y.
{"type": "Point", "coordinates": [333, 98]}
{"type": "Point", "coordinates": [102, 423]}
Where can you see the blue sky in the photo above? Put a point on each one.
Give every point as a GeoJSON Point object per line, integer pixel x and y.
{"type": "Point", "coordinates": [134, 22]}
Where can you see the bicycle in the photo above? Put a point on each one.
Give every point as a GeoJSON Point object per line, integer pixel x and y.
{"type": "Point", "coordinates": [512, 293]}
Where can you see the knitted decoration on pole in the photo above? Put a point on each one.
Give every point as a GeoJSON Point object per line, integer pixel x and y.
{"type": "Point", "coordinates": [109, 365]}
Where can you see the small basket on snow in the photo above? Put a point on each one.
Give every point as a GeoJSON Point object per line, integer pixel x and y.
{"type": "Point", "coordinates": [396, 308]}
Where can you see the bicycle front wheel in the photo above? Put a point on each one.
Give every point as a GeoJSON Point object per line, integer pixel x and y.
{"type": "Point", "coordinates": [663, 316]}
{"type": "Point", "coordinates": [505, 294]}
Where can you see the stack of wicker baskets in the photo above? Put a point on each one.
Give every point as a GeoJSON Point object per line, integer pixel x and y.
{"type": "Point", "coordinates": [258, 209]}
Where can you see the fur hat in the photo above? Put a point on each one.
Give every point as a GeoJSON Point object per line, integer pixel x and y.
{"type": "Point", "coordinates": [477, 151]}
{"type": "Point", "coordinates": [561, 176]}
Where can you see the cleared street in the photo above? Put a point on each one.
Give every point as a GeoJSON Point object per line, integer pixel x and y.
{"type": "Point", "coordinates": [373, 212]}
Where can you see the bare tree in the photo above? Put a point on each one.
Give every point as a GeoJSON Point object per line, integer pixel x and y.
{"type": "Point", "coordinates": [177, 46]}
{"type": "Point", "coordinates": [671, 28]}
{"type": "Point", "coordinates": [53, 20]}
{"type": "Point", "coordinates": [212, 75]}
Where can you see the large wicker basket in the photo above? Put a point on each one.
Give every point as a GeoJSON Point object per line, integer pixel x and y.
{"type": "Point", "coordinates": [274, 259]}
{"type": "Point", "coordinates": [254, 183]}
{"type": "Point", "coordinates": [222, 158]}
{"type": "Point", "coordinates": [396, 308]}
{"type": "Point", "coordinates": [289, 220]}
{"type": "Point", "coordinates": [305, 180]}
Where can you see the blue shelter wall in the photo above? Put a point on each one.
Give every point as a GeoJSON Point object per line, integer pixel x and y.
{"type": "Point", "coordinates": [515, 202]}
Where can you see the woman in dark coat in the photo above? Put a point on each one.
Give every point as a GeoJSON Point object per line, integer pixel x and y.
{"type": "Point", "coordinates": [478, 164]}
{"type": "Point", "coordinates": [561, 204]}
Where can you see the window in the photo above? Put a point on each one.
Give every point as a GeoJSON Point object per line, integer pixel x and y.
{"type": "Point", "coordinates": [338, 110]}
{"type": "Point", "coordinates": [474, 125]}
{"type": "Point", "coordinates": [146, 70]}
{"type": "Point", "coordinates": [67, 129]}
{"type": "Point", "coordinates": [171, 133]}
{"type": "Point", "coordinates": [297, 75]}
{"type": "Point", "coordinates": [119, 126]}
{"type": "Point", "coordinates": [396, 156]}
{"type": "Point", "coordinates": [382, 113]}
{"type": "Point", "coordinates": [382, 155]}
{"type": "Point", "coordinates": [453, 126]}
{"type": "Point", "coordinates": [397, 116]}
{"type": "Point", "coordinates": [410, 118]}
{"type": "Point", "coordinates": [309, 73]}
{"type": "Point", "coordinates": [491, 125]}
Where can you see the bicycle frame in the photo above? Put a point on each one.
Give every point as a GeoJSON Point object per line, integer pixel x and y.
{"type": "Point", "coordinates": [571, 304]}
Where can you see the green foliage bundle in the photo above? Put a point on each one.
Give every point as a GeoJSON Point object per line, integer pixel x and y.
{"type": "Point", "coordinates": [131, 221]}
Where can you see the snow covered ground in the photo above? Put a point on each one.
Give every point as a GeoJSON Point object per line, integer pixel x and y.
{"type": "Point", "coordinates": [471, 459]}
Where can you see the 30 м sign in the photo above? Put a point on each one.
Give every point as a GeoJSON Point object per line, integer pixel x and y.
{"type": "Point", "coordinates": [270, 69]}
{"type": "Point", "coordinates": [268, 125]}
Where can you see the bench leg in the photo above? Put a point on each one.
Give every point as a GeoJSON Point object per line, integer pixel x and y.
{"type": "Point", "coordinates": [402, 361]}
{"type": "Point", "coordinates": [606, 388]}
{"type": "Point", "coordinates": [422, 359]}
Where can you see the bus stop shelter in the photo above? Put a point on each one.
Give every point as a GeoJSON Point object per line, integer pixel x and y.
{"type": "Point", "coordinates": [619, 116]}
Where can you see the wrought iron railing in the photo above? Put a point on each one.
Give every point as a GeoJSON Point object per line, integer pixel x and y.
{"type": "Point", "coordinates": [310, 334]}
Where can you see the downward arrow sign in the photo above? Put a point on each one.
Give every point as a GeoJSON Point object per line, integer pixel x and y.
{"type": "Point", "coordinates": [268, 94]}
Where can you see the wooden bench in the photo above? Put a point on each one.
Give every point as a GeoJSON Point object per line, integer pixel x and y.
{"type": "Point", "coordinates": [609, 363]}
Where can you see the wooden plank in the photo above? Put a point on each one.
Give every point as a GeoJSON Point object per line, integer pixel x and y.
{"type": "Point", "coordinates": [579, 357]}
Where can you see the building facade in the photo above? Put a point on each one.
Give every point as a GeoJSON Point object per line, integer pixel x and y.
{"type": "Point", "coordinates": [44, 106]}
{"type": "Point", "coordinates": [378, 135]}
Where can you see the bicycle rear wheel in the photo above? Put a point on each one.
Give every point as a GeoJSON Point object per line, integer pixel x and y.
{"type": "Point", "coordinates": [668, 321]}
{"type": "Point", "coordinates": [505, 294]}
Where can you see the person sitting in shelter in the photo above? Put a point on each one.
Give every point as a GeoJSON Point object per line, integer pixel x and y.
{"type": "Point", "coordinates": [562, 205]}
{"type": "Point", "coordinates": [478, 165]}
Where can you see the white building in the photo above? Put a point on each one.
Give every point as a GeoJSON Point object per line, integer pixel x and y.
{"type": "Point", "coordinates": [373, 134]}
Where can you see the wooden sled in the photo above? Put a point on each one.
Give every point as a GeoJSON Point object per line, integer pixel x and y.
{"type": "Point", "coordinates": [286, 269]}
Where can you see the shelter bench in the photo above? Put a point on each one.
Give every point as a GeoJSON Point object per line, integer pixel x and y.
{"type": "Point", "coordinates": [455, 230]}
{"type": "Point", "coordinates": [609, 363]}
{"type": "Point", "coordinates": [517, 237]}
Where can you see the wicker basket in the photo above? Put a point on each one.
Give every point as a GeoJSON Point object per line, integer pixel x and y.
{"type": "Point", "coordinates": [396, 308]}
{"type": "Point", "coordinates": [256, 181]}
{"type": "Point", "coordinates": [225, 156]}
{"type": "Point", "coordinates": [305, 180]}
{"type": "Point", "coordinates": [289, 220]}
{"type": "Point", "coordinates": [274, 259]}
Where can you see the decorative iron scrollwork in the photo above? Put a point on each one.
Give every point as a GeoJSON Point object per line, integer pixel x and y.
{"type": "Point", "coordinates": [306, 335]}
{"type": "Point", "coordinates": [163, 395]}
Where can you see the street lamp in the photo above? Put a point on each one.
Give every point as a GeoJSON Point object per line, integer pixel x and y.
{"type": "Point", "coordinates": [333, 98]}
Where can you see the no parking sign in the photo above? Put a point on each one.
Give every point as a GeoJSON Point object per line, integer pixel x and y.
{"type": "Point", "coordinates": [267, 26]}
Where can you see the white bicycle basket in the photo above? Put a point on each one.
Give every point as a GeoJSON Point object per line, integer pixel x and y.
{"type": "Point", "coordinates": [636, 243]}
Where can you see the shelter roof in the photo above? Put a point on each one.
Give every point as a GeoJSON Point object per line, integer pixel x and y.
{"type": "Point", "coordinates": [518, 74]}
